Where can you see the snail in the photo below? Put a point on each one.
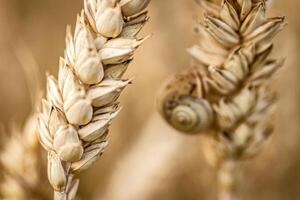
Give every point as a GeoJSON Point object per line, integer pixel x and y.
{"type": "Point", "coordinates": [182, 104]}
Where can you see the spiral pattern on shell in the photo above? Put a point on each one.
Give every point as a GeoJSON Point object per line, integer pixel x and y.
{"type": "Point", "coordinates": [181, 103]}
{"type": "Point", "coordinates": [191, 115]}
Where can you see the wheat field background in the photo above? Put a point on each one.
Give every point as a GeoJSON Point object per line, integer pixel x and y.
{"type": "Point", "coordinates": [146, 159]}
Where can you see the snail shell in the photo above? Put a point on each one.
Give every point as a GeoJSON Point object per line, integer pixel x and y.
{"type": "Point", "coordinates": [182, 105]}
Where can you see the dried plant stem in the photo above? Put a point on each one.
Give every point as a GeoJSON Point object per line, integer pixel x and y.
{"type": "Point", "coordinates": [227, 179]}
{"type": "Point", "coordinates": [227, 195]}
{"type": "Point", "coordinates": [60, 195]}
{"type": "Point", "coordinates": [63, 195]}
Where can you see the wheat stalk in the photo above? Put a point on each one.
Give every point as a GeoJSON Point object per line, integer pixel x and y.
{"type": "Point", "coordinates": [227, 95]}
{"type": "Point", "coordinates": [82, 102]}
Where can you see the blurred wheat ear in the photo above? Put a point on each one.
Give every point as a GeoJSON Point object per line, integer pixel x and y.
{"type": "Point", "coordinates": [19, 154]}
{"type": "Point", "coordinates": [81, 104]}
{"type": "Point", "coordinates": [227, 95]}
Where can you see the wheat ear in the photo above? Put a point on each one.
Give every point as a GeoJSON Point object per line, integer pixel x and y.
{"type": "Point", "coordinates": [22, 178]}
{"type": "Point", "coordinates": [227, 95]}
{"type": "Point", "coordinates": [19, 154]}
{"type": "Point", "coordinates": [82, 102]}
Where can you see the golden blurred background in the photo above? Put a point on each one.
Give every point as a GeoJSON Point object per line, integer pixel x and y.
{"type": "Point", "coordinates": [146, 159]}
